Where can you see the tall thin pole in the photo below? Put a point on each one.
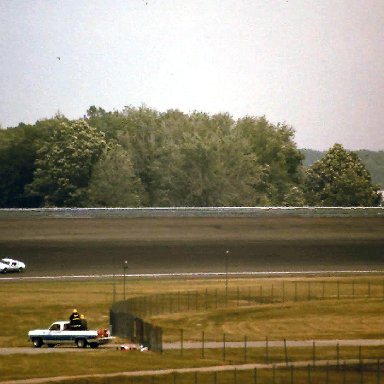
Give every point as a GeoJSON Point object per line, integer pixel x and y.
{"type": "Point", "coordinates": [125, 266]}
{"type": "Point", "coordinates": [114, 290]}
{"type": "Point", "coordinates": [226, 272]}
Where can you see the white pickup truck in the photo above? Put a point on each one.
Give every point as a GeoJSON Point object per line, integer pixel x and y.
{"type": "Point", "coordinates": [60, 333]}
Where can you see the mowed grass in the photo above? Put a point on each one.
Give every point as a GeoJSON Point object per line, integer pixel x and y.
{"type": "Point", "coordinates": [35, 304]}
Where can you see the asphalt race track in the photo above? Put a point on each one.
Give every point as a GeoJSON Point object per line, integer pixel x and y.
{"type": "Point", "coordinates": [98, 242]}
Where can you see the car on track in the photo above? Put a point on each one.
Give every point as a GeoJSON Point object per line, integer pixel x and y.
{"type": "Point", "coordinates": [11, 265]}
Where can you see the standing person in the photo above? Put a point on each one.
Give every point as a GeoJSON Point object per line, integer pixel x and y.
{"type": "Point", "coordinates": [83, 322]}
{"type": "Point", "coordinates": [74, 320]}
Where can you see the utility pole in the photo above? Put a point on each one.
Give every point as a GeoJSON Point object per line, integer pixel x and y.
{"type": "Point", "coordinates": [125, 266]}
{"type": "Point", "coordinates": [226, 272]}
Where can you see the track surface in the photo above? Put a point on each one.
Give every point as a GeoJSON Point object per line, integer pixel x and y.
{"type": "Point", "coordinates": [91, 246]}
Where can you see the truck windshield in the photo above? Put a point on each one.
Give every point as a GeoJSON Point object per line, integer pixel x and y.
{"type": "Point", "coordinates": [54, 327]}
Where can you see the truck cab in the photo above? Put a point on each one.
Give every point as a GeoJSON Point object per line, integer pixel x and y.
{"type": "Point", "coordinates": [60, 332]}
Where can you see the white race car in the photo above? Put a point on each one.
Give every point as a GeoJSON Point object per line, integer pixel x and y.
{"type": "Point", "coordinates": [10, 265]}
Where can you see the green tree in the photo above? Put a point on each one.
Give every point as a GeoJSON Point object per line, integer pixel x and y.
{"type": "Point", "coordinates": [113, 182]}
{"type": "Point", "coordinates": [278, 157]}
{"type": "Point", "coordinates": [18, 152]}
{"type": "Point", "coordinates": [211, 166]}
{"type": "Point", "coordinates": [340, 178]}
{"type": "Point", "coordinates": [64, 164]}
{"type": "Point", "coordinates": [143, 139]}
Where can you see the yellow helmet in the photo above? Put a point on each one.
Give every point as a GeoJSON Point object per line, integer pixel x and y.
{"type": "Point", "coordinates": [75, 311]}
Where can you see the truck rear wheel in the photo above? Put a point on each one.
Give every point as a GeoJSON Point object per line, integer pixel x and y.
{"type": "Point", "coordinates": [37, 342]}
{"type": "Point", "coordinates": [81, 343]}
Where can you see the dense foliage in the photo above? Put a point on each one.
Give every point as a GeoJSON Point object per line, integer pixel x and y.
{"type": "Point", "coordinates": [340, 179]}
{"type": "Point", "coordinates": [141, 157]}
{"type": "Point", "coordinates": [372, 160]}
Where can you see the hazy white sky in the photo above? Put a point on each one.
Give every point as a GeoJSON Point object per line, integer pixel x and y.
{"type": "Point", "coordinates": [315, 64]}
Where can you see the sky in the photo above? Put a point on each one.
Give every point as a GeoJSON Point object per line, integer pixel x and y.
{"type": "Point", "coordinates": [316, 65]}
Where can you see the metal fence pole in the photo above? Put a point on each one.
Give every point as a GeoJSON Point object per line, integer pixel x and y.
{"type": "Point", "coordinates": [181, 341]}
{"type": "Point", "coordinates": [314, 353]}
{"type": "Point", "coordinates": [202, 345]}
{"type": "Point", "coordinates": [224, 347]}
{"type": "Point", "coordinates": [285, 352]}
{"type": "Point", "coordinates": [245, 349]}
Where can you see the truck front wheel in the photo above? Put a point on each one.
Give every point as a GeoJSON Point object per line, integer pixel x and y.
{"type": "Point", "coordinates": [37, 342]}
{"type": "Point", "coordinates": [81, 343]}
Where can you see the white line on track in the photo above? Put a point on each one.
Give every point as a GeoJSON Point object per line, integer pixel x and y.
{"type": "Point", "coordinates": [196, 274]}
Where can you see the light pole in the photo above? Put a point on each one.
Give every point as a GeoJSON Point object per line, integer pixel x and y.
{"type": "Point", "coordinates": [125, 266]}
{"type": "Point", "coordinates": [226, 272]}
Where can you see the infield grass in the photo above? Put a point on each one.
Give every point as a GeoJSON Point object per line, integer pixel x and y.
{"type": "Point", "coordinates": [36, 304]}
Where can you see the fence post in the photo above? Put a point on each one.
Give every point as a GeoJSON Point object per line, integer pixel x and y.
{"type": "Point", "coordinates": [266, 350]}
{"type": "Point", "coordinates": [202, 344]}
{"type": "Point", "coordinates": [314, 353]}
{"type": "Point", "coordinates": [195, 377]}
{"type": "Point", "coordinates": [360, 357]}
{"type": "Point", "coordinates": [245, 348]}
{"type": "Point", "coordinates": [361, 375]}
{"type": "Point", "coordinates": [378, 372]}
{"type": "Point", "coordinates": [337, 354]}
{"type": "Point", "coordinates": [224, 347]}
{"type": "Point", "coordinates": [216, 297]}
{"type": "Point", "coordinates": [181, 341]}
{"type": "Point", "coordinates": [285, 352]}
{"type": "Point", "coordinates": [345, 372]}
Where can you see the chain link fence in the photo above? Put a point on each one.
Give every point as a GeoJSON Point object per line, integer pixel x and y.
{"type": "Point", "coordinates": [127, 325]}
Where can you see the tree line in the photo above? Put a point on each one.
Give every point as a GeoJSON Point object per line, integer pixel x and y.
{"type": "Point", "coordinates": [139, 157]}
